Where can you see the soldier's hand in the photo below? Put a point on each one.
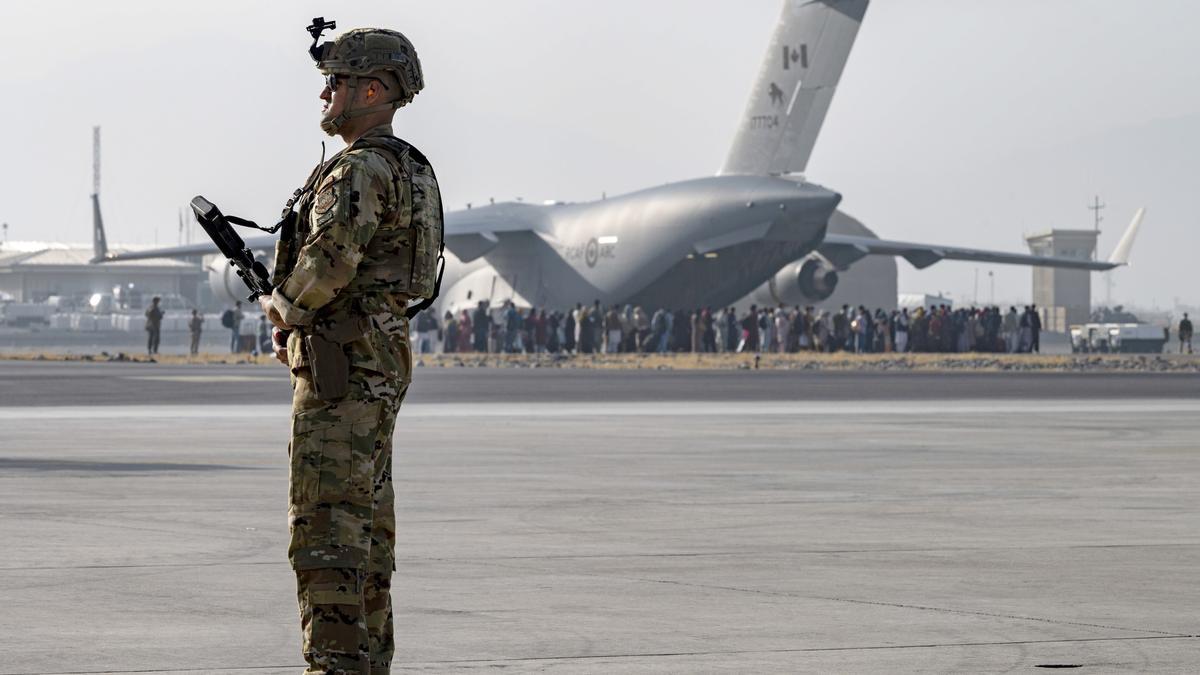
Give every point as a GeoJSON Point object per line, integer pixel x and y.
{"type": "Point", "coordinates": [268, 308]}
{"type": "Point", "coordinates": [279, 345]}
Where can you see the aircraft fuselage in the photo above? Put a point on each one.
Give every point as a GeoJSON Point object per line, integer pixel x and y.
{"type": "Point", "coordinates": [695, 243]}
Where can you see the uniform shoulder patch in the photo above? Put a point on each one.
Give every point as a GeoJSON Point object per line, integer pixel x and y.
{"type": "Point", "coordinates": [326, 199]}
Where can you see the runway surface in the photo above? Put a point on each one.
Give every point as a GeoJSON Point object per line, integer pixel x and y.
{"type": "Point", "coordinates": [626, 523]}
{"type": "Point", "coordinates": [34, 383]}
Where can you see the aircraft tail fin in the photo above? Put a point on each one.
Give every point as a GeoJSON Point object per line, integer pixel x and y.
{"type": "Point", "coordinates": [795, 86]}
{"type": "Point", "coordinates": [99, 241]}
{"type": "Point", "coordinates": [1120, 254]}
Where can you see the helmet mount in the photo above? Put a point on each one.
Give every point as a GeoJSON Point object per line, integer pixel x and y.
{"type": "Point", "coordinates": [319, 25]}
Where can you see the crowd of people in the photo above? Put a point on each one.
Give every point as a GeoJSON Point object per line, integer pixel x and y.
{"type": "Point", "coordinates": [591, 329]}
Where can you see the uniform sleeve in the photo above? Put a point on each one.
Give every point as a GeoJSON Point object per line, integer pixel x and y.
{"type": "Point", "coordinates": [347, 209]}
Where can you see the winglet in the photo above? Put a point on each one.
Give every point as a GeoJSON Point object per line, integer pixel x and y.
{"type": "Point", "coordinates": [1120, 254]}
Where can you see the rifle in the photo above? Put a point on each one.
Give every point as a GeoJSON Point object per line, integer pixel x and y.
{"type": "Point", "coordinates": [220, 229]}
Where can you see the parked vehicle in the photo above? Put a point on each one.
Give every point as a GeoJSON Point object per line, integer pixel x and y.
{"type": "Point", "coordinates": [1118, 338]}
{"type": "Point", "coordinates": [26, 314]}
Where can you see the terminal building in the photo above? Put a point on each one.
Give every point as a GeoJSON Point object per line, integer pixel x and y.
{"type": "Point", "coordinates": [36, 273]}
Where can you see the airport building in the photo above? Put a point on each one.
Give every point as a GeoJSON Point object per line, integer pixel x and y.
{"type": "Point", "coordinates": [35, 275]}
{"type": "Point", "coordinates": [1063, 295]}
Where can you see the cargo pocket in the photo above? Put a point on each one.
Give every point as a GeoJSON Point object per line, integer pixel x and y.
{"type": "Point", "coordinates": [333, 454]}
{"type": "Point", "coordinates": [308, 462]}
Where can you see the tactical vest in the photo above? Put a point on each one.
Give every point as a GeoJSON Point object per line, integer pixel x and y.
{"type": "Point", "coordinates": [408, 261]}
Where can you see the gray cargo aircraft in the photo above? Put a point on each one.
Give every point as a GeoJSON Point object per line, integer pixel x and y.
{"type": "Point", "coordinates": [758, 229]}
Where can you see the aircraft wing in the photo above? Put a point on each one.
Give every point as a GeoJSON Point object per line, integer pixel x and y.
{"type": "Point", "coordinates": [842, 250]}
{"type": "Point", "coordinates": [205, 248]}
{"type": "Point", "coordinates": [469, 234]}
{"type": "Point", "coordinates": [472, 233]}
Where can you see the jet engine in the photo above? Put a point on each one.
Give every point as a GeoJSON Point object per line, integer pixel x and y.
{"type": "Point", "coordinates": [224, 282]}
{"type": "Point", "coordinates": [811, 279]}
{"type": "Point", "coordinates": [816, 277]}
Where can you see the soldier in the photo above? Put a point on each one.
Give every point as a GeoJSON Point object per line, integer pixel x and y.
{"type": "Point", "coordinates": [195, 326]}
{"type": "Point", "coordinates": [365, 243]}
{"type": "Point", "coordinates": [154, 317]}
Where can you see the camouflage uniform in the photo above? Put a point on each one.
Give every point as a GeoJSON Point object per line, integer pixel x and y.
{"type": "Point", "coordinates": [365, 245]}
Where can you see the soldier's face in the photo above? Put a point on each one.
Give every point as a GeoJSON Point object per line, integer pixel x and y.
{"type": "Point", "coordinates": [334, 98]}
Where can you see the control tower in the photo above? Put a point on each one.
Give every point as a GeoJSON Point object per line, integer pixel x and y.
{"type": "Point", "coordinates": [1064, 296]}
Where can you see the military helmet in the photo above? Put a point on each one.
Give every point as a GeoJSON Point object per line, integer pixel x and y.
{"type": "Point", "coordinates": [365, 52]}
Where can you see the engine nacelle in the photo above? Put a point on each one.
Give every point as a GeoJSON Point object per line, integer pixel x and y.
{"type": "Point", "coordinates": [812, 279]}
{"type": "Point", "coordinates": [226, 286]}
{"type": "Point", "coordinates": [816, 278]}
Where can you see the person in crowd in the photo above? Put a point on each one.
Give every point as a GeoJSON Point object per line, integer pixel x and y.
{"type": "Point", "coordinates": [628, 331]}
{"type": "Point", "coordinates": [569, 331]}
{"type": "Point", "coordinates": [641, 327]}
{"type": "Point", "coordinates": [427, 332]}
{"type": "Point", "coordinates": [733, 333]}
{"type": "Point", "coordinates": [480, 323]}
{"type": "Point", "coordinates": [841, 328]}
{"type": "Point", "coordinates": [553, 332]}
{"type": "Point", "coordinates": [612, 330]}
{"type": "Point", "coordinates": [247, 331]}
{"type": "Point", "coordinates": [1025, 332]}
{"type": "Point", "coordinates": [587, 330]}
{"type": "Point", "coordinates": [856, 330]}
{"type": "Point", "coordinates": [1011, 330]}
{"type": "Point", "coordinates": [1035, 330]}
{"type": "Point", "coordinates": [722, 329]}
{"type": "Point", "coordinates": [821, 331]}
{"type": "Point", "coordinates": [708, 331]}
{"type": "Point", "coordinates": [449, 333]}
{"type": "Point", "coordinates": [236, 316]}
{"type": "Point", "coordinates": [881, 340]}
{"type": "Point", "coordinates": [900, 329]}
{"type": "Point", "coordinates": [933, 342]}
{"type": "Point", "coordinates": [782, 324]}
{"type": "Point", "coordinates": [262, 342]}
{"type": "Point", "coordinates": [766, 330]}
{"type": "Point", "coordinates": [496, 329]}
{"type": "Point", "coordinates": [802, 327]}
{"type": "Point", "coordinates": [195, 327]}
{"type": "Point", "coordinates": [658, 331]}
{"type": "Point", "coordinates": [466, 332]}
{"type": "Point", "coordinates": [510, 319]}
{"type": "Point", "coordinates": [749, 325]}
{"type": "Point", "coordinates": [695, 332]}
{"type": "Point", "coordinates": [598, 315]}
{"type": "Point", "coordinates": [539, 330]}
{"type": "Point", "coordinates": [964, 323]}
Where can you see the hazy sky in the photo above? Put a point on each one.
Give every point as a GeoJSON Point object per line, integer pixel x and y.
{"type": "Point", "coordinates": [965, 123]}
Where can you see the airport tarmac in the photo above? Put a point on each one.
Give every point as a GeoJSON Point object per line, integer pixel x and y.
{"type": "Point", "coordinates": [652, 522]}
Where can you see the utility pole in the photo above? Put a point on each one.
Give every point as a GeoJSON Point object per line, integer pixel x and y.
{"type": "Point", "coordinates": [1096, 207]}
{"type": "Point", "coordinates": [992, 282]}
{"type": "Point", "coordinates": [5, 226]}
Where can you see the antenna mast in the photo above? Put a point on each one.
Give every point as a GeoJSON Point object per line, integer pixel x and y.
{"type": "Point", "coordinates": [96, 161]}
